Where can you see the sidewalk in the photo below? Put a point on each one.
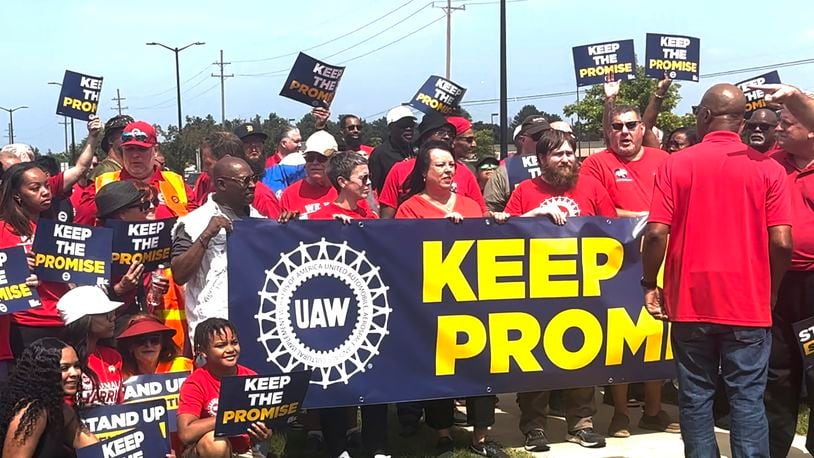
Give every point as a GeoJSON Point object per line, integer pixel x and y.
{"type": "Point", "coordinates": [640, 444]}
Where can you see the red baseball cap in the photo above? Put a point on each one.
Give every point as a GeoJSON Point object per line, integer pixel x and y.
{"type": "Point", "coordinates": [140, 134]}
{"type": "Point", "coordinates": [461, 124]}
{"type": "Point", "coordinates": [145, 324]}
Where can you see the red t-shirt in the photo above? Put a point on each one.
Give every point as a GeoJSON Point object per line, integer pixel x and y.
{"type": "Point", "coordinates": [464, 184]}
{"type": "Point", "coordinates": [629, 183]}
{"type": "Point", "coordinates": [417, 207]}
{"type": "Point", "coordinates": [107, 364]}
{"type": "Point", "coordinates": [801, 187]}
{"type": "Point", "coordinates": [265, 202]}
{"type": "Point", "coordinates": [306, 198]}
{"type": "Point", "coordinates": [367, 149]}
{"type": "Point", "coordinates": [83, 212]}
{"type": "Point", "coordinates": [328, 212]}
{"type": "Point", "coordinates": [199, 397]}
{"type": "Point", "coordinates": [50, 292]}
{"type": "Point", "coordinates": [273, 160]}
{"type": "Point", "coordinates": [719, 198]}
{"type": "Point", "coordinates": [56, 185]}
{"type": "Point", "coordinates": [587, 198]}
{"type": "Point", "coordinates": [203, 187]}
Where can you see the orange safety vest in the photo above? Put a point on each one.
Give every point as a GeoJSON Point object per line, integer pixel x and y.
{"type": "Point", "coordinates": [172, 310]}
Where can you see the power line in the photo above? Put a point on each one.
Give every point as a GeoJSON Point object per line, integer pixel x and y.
{"type": "Point", "coordinates": [118, 99]}
{"type": "Point", "coordinates": [149, 96]}
{"type": "Point", "coordinates": [352, 32]}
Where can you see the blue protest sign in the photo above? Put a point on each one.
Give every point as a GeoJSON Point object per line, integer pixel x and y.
{"type": "Point", "coordinates": [804, 331]}
{"type": "Point", "coordinates": [593, 63]}
{"type": "Point", "coordinates": [150, 387]}
{"type": "Point", "coordinates": [149, 243]}
{"type": "Point", "coordinates": [755, 98]}
{"type": "Point", "coordinates": [312, 82]}
{"type": "Point", "coordinates": [79, 97]}
{"type": "Point", "coordinates": [143, 441]}
{"type": "Point", "coordinates": [676, 56]}
{"type": "Point", "coordinates": [245, 399]}
{"type": "Point", "coordinates": [113, 421]}
{"type": "Point", "coordinates": [483, 308]}
{"type": "Point", "coordinates": [438, 95]}
{"type": "Point", "coordinates": [72, 253]}
{"type": "Point", "coordinates": [15, 295]}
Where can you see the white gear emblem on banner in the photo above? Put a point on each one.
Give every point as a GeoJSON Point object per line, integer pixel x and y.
{"type": "Point", "coordinates": [274, 317]}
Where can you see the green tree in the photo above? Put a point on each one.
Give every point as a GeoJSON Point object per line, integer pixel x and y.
{"type": "Point", "coordinates": [531, 110]}
{"type": "Point", "coordinates": [486, 144]}
{"type": "Point", "coordinates": [635, 92]}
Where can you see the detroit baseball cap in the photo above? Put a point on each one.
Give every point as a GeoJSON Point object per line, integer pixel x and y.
{"type": "Point", "coordinates": [248, 129]}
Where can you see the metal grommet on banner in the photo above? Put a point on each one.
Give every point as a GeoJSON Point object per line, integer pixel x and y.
{"type": "Point", "coordinates": [361, 399]}
{"type": "Point", "coordinates": [488, 389]}
{"type": "Point", "coordinates": [610, 380]}
{"type": "Point", "coordinates": [361, 224]}
{"type": "Point", "coordinates": [487, 221]}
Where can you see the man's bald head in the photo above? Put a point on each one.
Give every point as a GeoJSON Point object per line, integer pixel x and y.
{"type": "Point", "coordinates": [229, 166]}
{"type": "Point", "coordinates": [763, 115]}
{"type": "Point", "coordinates": [722, 108]}
{"type": "Point", "coordinates": [235, 183]}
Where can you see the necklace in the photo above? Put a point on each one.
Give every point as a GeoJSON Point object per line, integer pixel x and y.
{"type": "Point", "coordinates": [446, 207]}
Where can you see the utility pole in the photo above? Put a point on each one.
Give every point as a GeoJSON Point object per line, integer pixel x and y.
{"type": "Point", "coordinates": [222, 91]}
{"type": "Point", "coordinates": [448, 10]}
{"type": "Point", "coordinates": [65, 123]}
{"type": "Point", "coordinates": [504, 125]}
{"type": "Point", "coordinates": [10, 112]}
{"type": "Point", "coordinates": [177, 73]}
{"type": "Point", "coordinates": [118, 99]}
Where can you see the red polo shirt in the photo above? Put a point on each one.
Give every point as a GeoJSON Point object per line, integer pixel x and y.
{"type": "Point", "coordinates": [801, 185]}
{"type": "Point", "coordinates": [719, 198]}
{"type": "Point", "coordinates": [587, 198]}
{"type": "Point", "coordinates": [83, 213]}
{"type": "Point", "coordinates": [306, 198]}
{"type": "Point", "coordinates": [464, 181]}
{"type": "Point", "coordinates": [328, 212]}
{"type": "Point", "coordinates": [629, 183]}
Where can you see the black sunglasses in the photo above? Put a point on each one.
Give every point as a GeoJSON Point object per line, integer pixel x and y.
{"type": "Point", "coordinates": [311, 157]}
{"type": "Point", "coordinates": [244, 181]}
{"type": "Point", "coordinates": [763, 126]}
{"type": "Point", "coordinates": [617, 126]}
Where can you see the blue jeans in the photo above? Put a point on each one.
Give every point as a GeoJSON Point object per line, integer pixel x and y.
{"type": "Point", "coordinates": [742, 354]}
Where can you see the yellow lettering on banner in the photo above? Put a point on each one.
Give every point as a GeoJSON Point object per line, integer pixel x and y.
{"type": "Point", "coordinates": [440, 272]}
{"type": "Point", "coordinates": [622, 330]}
{"type": "Point", "coordinates": [447, 349]}
{"type": "Point", "coordinates": [673, 65]}
{"type": "Point", "coordinates": [50, 261]}
{"type": "Point", "coordinates": [259, 413]}
{"type": "Point", "coordinates": [605, 70]}
{"type": "Point", "coordinates": [17, 291]}
{"type": "Point", "coordinates": [542, 268]}
{"type": "Point", "coordinates": [502, 349]}
{"type": "Point", "coordinates": [147, 256]}
{"type": "Point", "coordinates": [553, 339]}
{"type": "Point", "coordinates": [310, 91]}
{"type": "Point", "coordinates": [593, 273]}
{"type": "Point", "coordinates": [490, 269]}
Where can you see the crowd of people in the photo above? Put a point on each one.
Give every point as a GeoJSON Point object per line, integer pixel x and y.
{"type": "Point", "coordinates": [721, 198]}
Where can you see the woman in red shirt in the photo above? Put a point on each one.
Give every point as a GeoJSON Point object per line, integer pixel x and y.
{"type": "Point", "coordinates": [147, 347]}
{"type": "Point", "coordinates": [216, 339]}
{"type": "Point", "coordinates": [24, 194]}
{"type": "Point", "coordinates": [89, 319]}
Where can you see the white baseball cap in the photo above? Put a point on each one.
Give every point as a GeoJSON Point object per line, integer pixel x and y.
{"type": "Point", "coordinates": [321, 142]}
{"type": "Point", "coordinates": [399, 113]}
{"type": "Point", "coordinates": [516, 132]}
{"type": "Point", "coordinates": [83, 301]}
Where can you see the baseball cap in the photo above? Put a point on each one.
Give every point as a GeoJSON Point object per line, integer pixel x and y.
{"type": "Point", "coordinates": [139, 133]}
{"type": "Point", "coordinates": [487, 163]}
{"type": "Point", "coordinates": [248, 129]}
{"type": "Point", "coordinates": [321, 142]}
{"type": "Point", "coordinates": [399, 113]}
{"type": "Point", "coordinates": [145, 324]}
{"type": "Point", "coordinates": [116, 196]}
{"type": "Point", "coordinates": [83, 301]}
{"type": "Point", "coordinates": [114, 125]}
{"type": "Point", "coordinates": [460, 123]}
{"type": "Point", "coordinates": [533, 124]}
{"type": "Point", "coordinates": [516, 132]}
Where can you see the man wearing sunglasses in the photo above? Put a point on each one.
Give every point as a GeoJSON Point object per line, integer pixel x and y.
{"type": "Point", "coordinates": [397, 147]}
{"type": "Point", "coordinates": [315, 190]}
{"type": "Point", "coordinates": [517, 168]}
{"type": "Point", "coordinates": [138, 156]}
{"type": "Point", "coordinates": [199, 241]}
{"type": "Point", "coordinates": [350, 126]}
{"type": "Point", "coordinates": [759, 130]}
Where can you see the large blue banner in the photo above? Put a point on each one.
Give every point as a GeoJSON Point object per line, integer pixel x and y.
{"type": "Point", "coordinates": [393, 310]}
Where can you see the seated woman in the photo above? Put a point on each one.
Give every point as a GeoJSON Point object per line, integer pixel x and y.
{"type": "Point", "coordinates": [147, 347]}
{"type": "Point", "coordinates": [216, 340]}
{"type": "Point", "coordinates": [35, 420]}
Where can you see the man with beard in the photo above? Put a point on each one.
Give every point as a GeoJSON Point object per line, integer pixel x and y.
{"type": "Point", "coordinates": [626, 169]}
{"type": "Point", "coordinates": [111, 145]}
{"type": "Point", "coordinates": [350, 126]}
{"type": "Point", "coordinates": [760, 133]}
{"type": "Point", "coordinates": [559, 192]}
{"type": "Point", "coordinates": [397, 147]}
{"type": "Point", "coordinates": [253, 138]}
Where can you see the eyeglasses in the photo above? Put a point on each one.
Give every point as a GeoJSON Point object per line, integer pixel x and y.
{"type": "Point", "coordinates": [364, 178]}
{"type": "Point", "coordinates": [618, 126]}
{"type": "Point", "coordinates": [138, 135]}
{"type": "Point", "coordinates": [470, 139]}
{"type": "Point", "coordinates": [142, 205]}
{"type": "Point", "coordinates": [315, 157]}
{"type": "Point", "coordinates": [243, 181]}
{"type": "Point", "coordinates": [354, 127]}
{"type": "Point", "coordinates": [443, 133]}
{"type": "Point", "coordinates": [148, 340]}
{"type": "Point", "coordinates": [764, 126]}
{"type": "Point", "coordinates": [405, 124]}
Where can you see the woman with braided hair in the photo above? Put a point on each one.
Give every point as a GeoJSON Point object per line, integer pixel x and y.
{"type": "Point", "coordinates": [35, 420]}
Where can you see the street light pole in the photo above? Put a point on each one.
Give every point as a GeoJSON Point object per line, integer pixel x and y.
{"type": "Point", "coordinates": [10, 112]}
{"type": "Point", "coordinates": [177, 73]}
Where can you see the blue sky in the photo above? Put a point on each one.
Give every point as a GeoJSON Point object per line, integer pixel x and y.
{"type": "Point", "coordinates": [103, 38]}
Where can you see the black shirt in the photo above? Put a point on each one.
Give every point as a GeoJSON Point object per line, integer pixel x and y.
{"type": "Point", "coordinates": [382, 160]}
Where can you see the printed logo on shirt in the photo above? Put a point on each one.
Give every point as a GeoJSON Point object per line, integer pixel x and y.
{"type": "Point", "coordinates": [323, 307]}
{"type": "Point", "coordinates": [212, 407]}
{"type": "Point", "coordinates": [621, 175]}
{"type": "Point", "coordinates": [566, 205]}
{"type": "Point", "coordinates": [454, 187]}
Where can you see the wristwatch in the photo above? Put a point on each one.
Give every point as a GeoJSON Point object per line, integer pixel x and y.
{"type": "Point", "coordinates": [648, 284]}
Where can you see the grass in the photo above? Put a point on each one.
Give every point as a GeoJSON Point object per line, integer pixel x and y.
{"type": "Point", "coordinates": [802, 420]}
{"type": "Point", "coordinates": [420, 445]}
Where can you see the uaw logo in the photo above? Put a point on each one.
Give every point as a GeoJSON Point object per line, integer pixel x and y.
{"type": "Point", "coordinates": [621, 175]}
{"type": "Point", "coordinates": [323, 307]}
{"type": "Point", "coordinates": [566, 204]}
